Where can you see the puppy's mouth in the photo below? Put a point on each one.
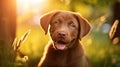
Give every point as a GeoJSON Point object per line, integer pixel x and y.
{"type": "Point", "coordinates": [60, 45]}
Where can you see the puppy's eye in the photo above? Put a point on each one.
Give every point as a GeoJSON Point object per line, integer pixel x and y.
{"type": "Point", "coordinates": [56, 22]}
{"type": "Point", "coordinates": [72, 25]}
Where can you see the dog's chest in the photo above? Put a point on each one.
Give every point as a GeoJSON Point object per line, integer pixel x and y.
{"type": "Point", "coordinates": [65, 58]}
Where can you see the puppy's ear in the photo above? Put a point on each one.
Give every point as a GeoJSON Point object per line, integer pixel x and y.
{"type": "Point", "coordinates": [46, 19]}
{"type": "Point", "coordinates": [84, 26]}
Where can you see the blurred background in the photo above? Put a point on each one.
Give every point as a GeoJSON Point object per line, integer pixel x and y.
{"type": "Point", "coordinates": [102, 44]}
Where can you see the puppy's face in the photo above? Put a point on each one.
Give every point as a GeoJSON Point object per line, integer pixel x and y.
{"type": "Point", "coordinates": [64, 30]}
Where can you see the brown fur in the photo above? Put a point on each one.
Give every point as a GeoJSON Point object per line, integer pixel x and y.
{"type": "Point", "coordinates": [65, 50]}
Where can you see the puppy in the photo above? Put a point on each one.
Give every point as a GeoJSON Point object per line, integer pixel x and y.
{"type": "Point", "coordinates": [65, 50]}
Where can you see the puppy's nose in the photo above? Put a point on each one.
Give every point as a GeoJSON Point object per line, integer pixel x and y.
{"type": "Point", "coordinates": [62, 34]}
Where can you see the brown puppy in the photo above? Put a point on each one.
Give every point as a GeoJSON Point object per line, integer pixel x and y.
{"type": "Point", "coordinates": [66, 29]}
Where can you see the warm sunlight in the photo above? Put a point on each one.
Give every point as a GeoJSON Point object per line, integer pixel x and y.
{"type": "Point", "coordinates": [24, 5]}
{"type": "Point", "coordinates": [27, 8]}
{"type": "Point", "coordinates": [27, 2]}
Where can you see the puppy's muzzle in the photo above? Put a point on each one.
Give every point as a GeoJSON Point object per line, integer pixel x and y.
{"type": "Point", "coordinates": [60, 41]}
{"type": "Point", "coordinates": [62, 34]}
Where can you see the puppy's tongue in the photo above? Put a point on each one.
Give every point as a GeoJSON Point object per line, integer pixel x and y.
{"type": "Point", "coordinates": [60, 46]}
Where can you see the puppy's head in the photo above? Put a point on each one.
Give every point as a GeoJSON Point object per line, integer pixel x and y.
{"type": "Point", "coordinates": [65, 28]}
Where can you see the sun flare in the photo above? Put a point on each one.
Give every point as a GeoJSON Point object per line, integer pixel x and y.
{"type": "Point", "coordinates": [27, 8]}
{"type": "Point", "coordinates": [29, 2]}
